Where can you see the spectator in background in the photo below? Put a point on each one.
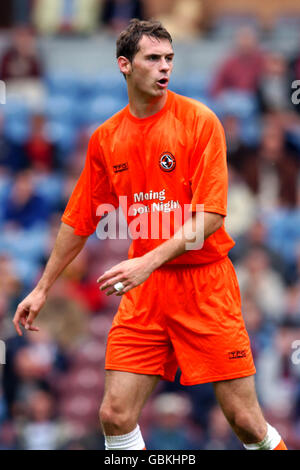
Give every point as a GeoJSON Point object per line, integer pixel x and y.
{"type": "Point", "coordinates": [21, 68]}
{"type": "Point", "coordinates": [294, 74]}
{"type": "Point", "coordinates": [8, 436]}
{"type": "Point", "coordinates": [32, 363]}
{"type": "Point", "coordinates": [39, 151]}
{"type": "Point", "coordinates": [218, 435]}
{"type": "Point", "coordinates": [262, 283]}
{"type": "Point", "coordinates": [41, 430]}
{"type": "Point", "coordinates": [256, 236]}
{"type": "Point", "coordinates": [243, 68]}
{"type": "Point", "coordinates": [21, 60]}
{"type": "Point", "coordinates": [117, 13]}
{"type": "Point", "coordinates": [241, 205]}
{"type": "Point", "coordinates": [23, 207]}
{"type": "Point", "coordinates": [184, 19]}
{"type": "Point", "coordinates": [236, 149]}
{"type": "Point", "coordinates": [277, 374]}
{"type": "Point", "coordinates": [66, 16]}
{"type": "Point", "coordinates": [10, 287]}
{"type": "Point", "coordinates": [6, 14]}
{"type": "Point", "coordinates": [272, 171]}
{"type": "Point", "coordinates": [171, 429]}
{"type": "Point", "coordinates": [260, 330]}
{"type": "Point", "coordinates": [274, 86]}
{"type": "Point", "coordinates": [12, 157]}
{"type": "Point", "coordinates": [22, 11]}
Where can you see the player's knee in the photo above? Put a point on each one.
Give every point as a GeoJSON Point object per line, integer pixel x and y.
{"type": "Point", "coordinates": [115, 418]}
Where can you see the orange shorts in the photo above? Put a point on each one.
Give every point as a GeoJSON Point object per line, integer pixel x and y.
{"type": "Point", "coordinates": [186, 317]}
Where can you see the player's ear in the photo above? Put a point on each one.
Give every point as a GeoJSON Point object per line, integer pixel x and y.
{"type": "Point", "coordinates": [124, 65]}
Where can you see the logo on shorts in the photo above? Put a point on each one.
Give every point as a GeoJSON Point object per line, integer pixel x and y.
{"type": "Point", "coordinates": [237, 354]}
{"type": "Point", "coordinates": [167, 162]}
{"type": "Point", "coordinates": [121, 167]}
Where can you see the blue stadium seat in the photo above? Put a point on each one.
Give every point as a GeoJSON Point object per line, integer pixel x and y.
{"type": "Point", "coordinates": [195, 85]}
{"type": "Point", "coordinates": [293, 138]}
{"type": "Point", "coordinates": [226, 25]}
{"type": "Point", "coordinates": [98, 109]}
{"type": "Point", "coordinates": [16, 120]}
{"type": "Point", "coordinates": [4, 189]}
{"type": "Point", "coordinates": [60, 109]}
{"type": "Point", "coordinates": [286, 26]}
{"type": "Point", "coordinates": [238, 103]}
{"type": "Point", "coordinates": [284, 233]}
{"type": "Point", "coordinates": [109, 85]}
{"type": "Point", "coordinates": [251, 131]}
{"type": "Point", "coordinates": [16, 131]}
{"type": "Point", "coordinates": [16, 109]}
{"type": "Point", "coordinates": [63, 83]}
{"type": "Point", "coordinates": [62, 134]}
{"type": "Point", "coordinates": [50, 187]}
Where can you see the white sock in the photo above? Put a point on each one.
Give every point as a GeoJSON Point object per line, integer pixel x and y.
{"type": "Point", "coordinates": [271, 440]}
{"type": "Point", "coordinates": [131, 441]}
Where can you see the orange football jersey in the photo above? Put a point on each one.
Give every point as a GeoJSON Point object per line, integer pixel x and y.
{"type": "Point", "coordinates": [171, 162]}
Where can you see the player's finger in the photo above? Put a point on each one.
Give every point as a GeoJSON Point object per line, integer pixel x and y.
{"type": "Point", "coordinates": [17, 326]}
{"type": "Point", "coordinates": [126, 289]}
{"type": "Point", "coordinates": [30, 319]}
{"type": "Point", "coordinates": [109, 274]}
{"type": "Point", "coordinates": [111, 282]}
{"type": "Point", "coordinates": [32, 328]}
{"type": "Point", "coordinates": [112, 290]}
{"type": "Point", "coordinates": [19, 318]}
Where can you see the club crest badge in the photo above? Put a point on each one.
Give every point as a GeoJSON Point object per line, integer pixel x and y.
{"type": "Point", "coordinates": [167, 162]}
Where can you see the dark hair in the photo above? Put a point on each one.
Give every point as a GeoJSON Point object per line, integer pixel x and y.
{"type": "Point", "coordinates": [128, 40]}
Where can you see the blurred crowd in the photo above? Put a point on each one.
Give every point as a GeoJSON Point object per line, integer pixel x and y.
{"type": "Point", "coordinates": [84, 17]}
{"type": "Point", "coordinates": [52, 382]}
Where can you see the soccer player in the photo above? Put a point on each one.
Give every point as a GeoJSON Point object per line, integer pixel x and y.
{"type": "Point", "coordinates": [180, 306]}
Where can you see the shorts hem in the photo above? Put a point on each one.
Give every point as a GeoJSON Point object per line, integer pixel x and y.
{"type": "Point", "coordinates": [170, 378]}
{"type": "Point", "coordinates": [218, 378]}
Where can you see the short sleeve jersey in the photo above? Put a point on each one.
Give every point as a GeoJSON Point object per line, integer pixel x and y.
{"type": "Point", "coordinates": [159, 165]}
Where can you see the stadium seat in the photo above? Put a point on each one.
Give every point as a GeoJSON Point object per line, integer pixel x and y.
{"type": "Point", "coordinates": [62, 134]}
{"type": "Point", "coordinates": [251, 131]}
{"type": "Point", "coordinates": [226, 25]}
{"type": "Point", "coordinates": [238, 103]}
{"type": "Point", "coordinates": [194, 85]}
{"type": "Point", "coordinates": [287, 26]}
{"type": "Point", "coordinates": [63, 83]}
{"type": "Point", "coordinates": [98, 109]}
{"type": "Point", "coordinates": [284, 233]}
{"type": "Point", "coordinates": [60, 109]}
{"type": "Point", "coordinates": [50, 187]}
{"type": "Point", "coordinates": [109, 85]}
{"type": "Point", "coordinates": [16, 120]}
{"type": "Point", "coordinates": [16, 131]}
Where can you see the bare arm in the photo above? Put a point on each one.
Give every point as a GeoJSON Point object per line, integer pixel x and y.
{"type": "Point", "coordinates": [199, 227]}
{"type": "Point", "coordinates": [67, 247]}
{"type": "Point", "coordinates": [135, 271]}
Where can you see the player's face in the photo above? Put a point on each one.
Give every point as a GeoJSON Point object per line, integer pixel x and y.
{"type": "Point", "coordinates": [152, 66]}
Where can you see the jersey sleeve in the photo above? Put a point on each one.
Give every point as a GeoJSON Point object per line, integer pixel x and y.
{"type": "Point", "coordinates": [208, 168]}
{"type": "Point", "coordinates": [92, 190]}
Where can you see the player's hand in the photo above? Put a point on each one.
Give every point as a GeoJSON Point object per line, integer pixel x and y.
{"type": "Point", "coordinates": [131, 273]}
{"type": "Point", "coordinates": [28, 310]}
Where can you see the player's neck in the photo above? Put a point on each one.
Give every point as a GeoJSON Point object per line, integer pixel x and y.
{"type": "Point", "coordinates": [142, 106]}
